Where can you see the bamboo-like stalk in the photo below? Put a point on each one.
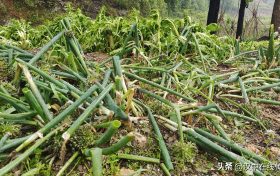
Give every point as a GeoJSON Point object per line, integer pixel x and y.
{"type": "Point", "coordinates": [234, 114]}
{"type": "Point", "coordinates": [23, 115]}
{"type": "Point", "coordinates": [199, 51]}
{"type": "Point", "coordinates": [4, 139]}
{"type": "Point", "coordinates": [67, 164]}
{"type": "Point", "coordinates": [34, 104]}
{"type": "Point", "coordinates": [65, 75]}
{"type": "Point", "coordinates": [110, 103]}
{"type": "Point", "coordinates": [220, 150]}
{"type": "Point", "coordinates": [106, 77]}
{"type": "Point", "coordinates": [17, 104]}
{"type": "Point", "coordinates": [20, 121]}
{"type": "Point", "coordinates": [118, 72]}
{"type": "Point", "coordinates": [145, 68]}
{"type": "Point", "coordinates": [164, 169]}
{"type": "Point", "coordinates": [113, 128]}
{"type": "Point", "coordinates": [176, 109]}
{"type": "Point", "coordinates": [231, 145]}
{"type": "Point", "coordinates": [47, 114]}
{"type": "Point", "coordinates": [74, 47]}
{"type": "Point", "coordinates": [60, 117]}
{"type": "Point", "coordinates": [199, 109]}
{"type": "Point", "coordinates": [138, 158]}
{"type": "Point", "coordinates": [120, 144]}
{"type": "Point", "coordinates": [243, 90]}
{"type": "Point", "coordinates": [216, 124]}
{"type": "Point", "coordinates": [162, 145]}
{"type": "Point", "coordinates": [264, 87]}
{"type": "Point", "coordinates": [13, 142]}
{"type": "Point", "coordinates": [41, 73]}
{"type": "Point", "coordinates": [4, 170]}
{"type": "Point", "coordinates": [66, 135]}
{"type": "Point", "coordinates": [46, 86]}
{"type": "Point", "coordinates": [103, 125]}
{"type": "Point", "coordinates": [260, 100]}
{"type": "Point", "coordinates": [70, 71]}
{"type": "Point", "coordinates": [46, 47]}
{"type": "Point", "coordinates": [245, 110]}
{"type": "Point", "coordinates": [157, 86]}
{"type": "Point", "coordinates": [96, 158]}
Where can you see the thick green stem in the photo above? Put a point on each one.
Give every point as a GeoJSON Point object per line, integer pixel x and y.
{"type": "Point", "coordinates": [231, 145]}
{"type": "Point", "coordinates": [117, 146]}
{"type": "Point", "coordinates": [47, 114]}
{"type": "Point", "coordinates": [86, 113]}
{"type": "Point", "coordinates": [158, 86]}
{"type": "Point", "coordinates": [164, 169]}
{"type": "Point", "coordinates": [34, 104]}
{"type": "Point", "coordinates": [176, 109]}
{"type": "Point", "coordinates": [243, 90]}
{"type": "Point", "coordinates": [23, 115]}
{"type": "Point", "coordinates": [110, 103]}
{"type": "Point", "coordinates": [96, 157]}
{"type": "Point", "coordinates": [138, 158]}
{"type": "Point", "coordinates": [17, 104]}
{"type": "Point", "coordinates": [113, 128]}
{"type": "Point", "coordinates": [58, 118]}
{"type": "Point", "coordinates": [67, 164]}
{"type": "Point", "coordinates": [162, 145]}
{"type": "Point", "coordinates": [43, 74]}
{"type": "Point", "coordinates": [4, 170]}
{"type": "Point", "coordinates": [46, 47]}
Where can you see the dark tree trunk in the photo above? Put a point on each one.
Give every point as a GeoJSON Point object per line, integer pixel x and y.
{"type": "Point", "coordinates": [241, 19]}
{"type": "Point", "coordinates": [276, 15]}
{"type": "Point", "coordinates": [213, 12]}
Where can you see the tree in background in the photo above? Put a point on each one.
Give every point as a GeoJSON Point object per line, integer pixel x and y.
{"type": "Point", "coordinates": [276, 15]}
{"type": "Point", "coordinates": [243, 5]}
{"type": "Point", "coordinates": [213, 12]}
{"type": "Point", "coordinates": [172, 6]}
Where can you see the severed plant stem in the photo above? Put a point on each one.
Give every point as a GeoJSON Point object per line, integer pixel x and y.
{"type": "Point", "coordinates": [138, 158]}
{"type": "Point", "coordinates": [243, 90]}
{"type": "Point", "coordinates": [162, 145]}
{"type": "Point", "coordinates": [4, 170]}
{"type": "Point", "coordinates": [66, 135]}
{"type": "Point", "coordinates": [47, 114]}
{"type": "Point", "coordinates": [58, 118]}
{"type": "Point", "coordinates": [158, 86]}
{"type": "Point", "coordinates": [67, 164]}
{"type": "Point", "coordinates": [96, 158]}
{"type": "Point", "coordinates": [164, 169]}
{"type": "Point", "coordinates": [114, 126]}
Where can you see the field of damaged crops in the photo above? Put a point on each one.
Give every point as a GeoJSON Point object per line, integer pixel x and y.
{"type": "Point", "coordinates": [136, 96]}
